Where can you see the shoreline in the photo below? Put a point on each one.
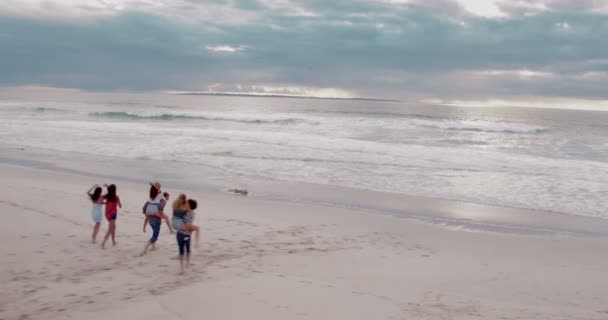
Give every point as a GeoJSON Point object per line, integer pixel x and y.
{"type": "Point", "coordinates": [450, 214]}
{"type": "Point", "coordinates": [405, 150]}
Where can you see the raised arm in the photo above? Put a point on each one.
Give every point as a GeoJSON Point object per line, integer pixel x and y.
{"type": "Point", "coordinates": [90, 192]}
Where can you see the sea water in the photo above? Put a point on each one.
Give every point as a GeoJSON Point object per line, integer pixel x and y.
{"type": "Point", "coordinates": [547, 159]}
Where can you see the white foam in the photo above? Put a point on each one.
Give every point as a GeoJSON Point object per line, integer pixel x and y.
{"type": "Point", "coordinates": [273, 118]}
{"type": "Point", "coordinates": [327, 150]}
{"type": "Point", "coordinates": [485, 126]}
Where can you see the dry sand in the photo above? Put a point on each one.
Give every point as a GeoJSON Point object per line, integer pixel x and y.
{"type": "Point", "coordinates": [276, 259]}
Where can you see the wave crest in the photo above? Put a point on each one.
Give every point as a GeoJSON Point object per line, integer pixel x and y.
{"type": "Point", "coordinates": [252, 119]}
{"type": "Point", "coordinates": [480, 126]}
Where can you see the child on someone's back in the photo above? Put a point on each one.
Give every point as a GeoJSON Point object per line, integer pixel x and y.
{"type": "Point", "coordinates": [153, 210]}
{"type": "Point", "coordinates": [155, 207]}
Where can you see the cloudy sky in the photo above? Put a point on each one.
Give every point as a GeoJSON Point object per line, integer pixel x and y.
{"type": "Point", "coordinates": [443, 49]}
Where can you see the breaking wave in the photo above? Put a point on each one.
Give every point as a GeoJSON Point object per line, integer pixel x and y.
{"type": "Point", "coordinates": [244, 118]}
{"type": "Point", "coordinates": [480, 126]}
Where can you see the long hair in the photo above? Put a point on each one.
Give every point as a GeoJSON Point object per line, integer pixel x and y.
{"type": "Point", "coordinates": [96, 194]}
{"type": "Point", "coordinates": [153, 192]}
{"type": "Point", "coordinates": [180, 203]}
{"type": "Point", "coordinates": [111, 195]}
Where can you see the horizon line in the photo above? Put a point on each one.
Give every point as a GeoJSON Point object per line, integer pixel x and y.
{"type": "Point", "coordinates": [273, 95]}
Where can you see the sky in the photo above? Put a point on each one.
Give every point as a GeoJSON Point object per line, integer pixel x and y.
{"type": "Point", "coordinates": [395, 49]}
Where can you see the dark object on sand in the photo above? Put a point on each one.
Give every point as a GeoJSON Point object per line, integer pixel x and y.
{"type": "Point", "coordinates": [242, 192]}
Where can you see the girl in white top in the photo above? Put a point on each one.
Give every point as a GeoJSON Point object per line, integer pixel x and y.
{"type": "Point", "coordinates": [97, 201]}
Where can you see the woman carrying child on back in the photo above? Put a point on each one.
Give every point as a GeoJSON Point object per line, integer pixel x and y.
{"type": "Point", "coordinates": [153, 210]}
{"type": "Point", "coordinates": [97, 201]}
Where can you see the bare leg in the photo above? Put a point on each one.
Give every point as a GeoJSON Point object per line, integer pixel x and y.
{"type": "Point", "coordinates": [181, 264]}
{"type": "Point", "coordinates": [188, 251]}
{"type": "Point", "coordinates": [95, 231]}
{"type": "Point", "coordinates": [197, 230]}
{"type": "Point", "coordinates": [113, 226]}
{"type": "Point", "coordinates": [108, 234]}
{"type": "Point", "coordinates": [148, 245]}
{"type": "Point", "coordinates": [197, 235]}
{"type": "Point", "coordinates": [166, 218]}
{"type": "Point", "coordinates": [146, 222]}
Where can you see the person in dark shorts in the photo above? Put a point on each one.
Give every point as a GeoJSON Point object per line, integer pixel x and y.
{"type": "Point", "coordinates": [184, 234]}
{"type": "Point", "coordinates": [181, 205]}
{"type": "Point", "coordinates": [112, 202]}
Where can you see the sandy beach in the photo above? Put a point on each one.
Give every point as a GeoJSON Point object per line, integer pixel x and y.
{"type": "Point", "coordinates": [274, 256]}
{"type": "Point", "coordinates": [344, 160]}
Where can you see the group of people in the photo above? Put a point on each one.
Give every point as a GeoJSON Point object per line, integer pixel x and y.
{"type": "Point", "coordinates": [111, 201]}
{"type": "Point", "coordinates": [181, 222]}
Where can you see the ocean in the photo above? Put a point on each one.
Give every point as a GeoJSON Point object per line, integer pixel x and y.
{"type": "Point", "coordinates": [542, 159]}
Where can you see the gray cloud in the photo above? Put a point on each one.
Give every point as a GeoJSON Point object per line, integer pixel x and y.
{"type": "Point", "coordinates": [430, 48]}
